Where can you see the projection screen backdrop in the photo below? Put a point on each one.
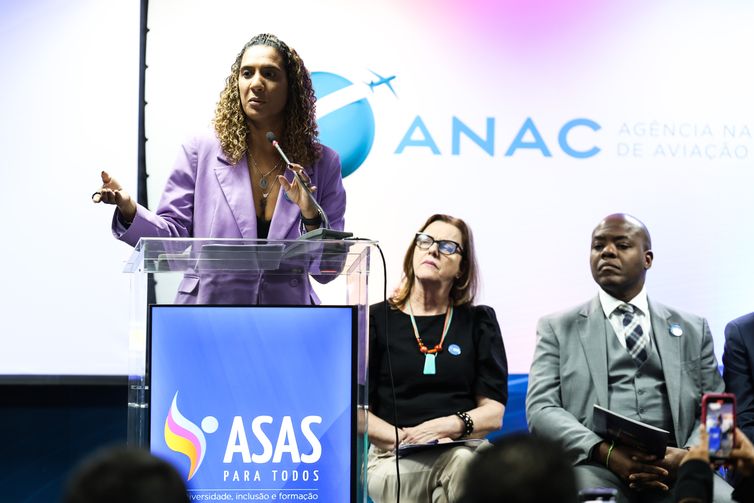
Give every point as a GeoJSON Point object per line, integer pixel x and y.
{"type": "Point", "coordinates": [530, 120]}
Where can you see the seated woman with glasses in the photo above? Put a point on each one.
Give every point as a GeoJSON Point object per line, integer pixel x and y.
{"type": "Point", "coordinates": [448, 365]}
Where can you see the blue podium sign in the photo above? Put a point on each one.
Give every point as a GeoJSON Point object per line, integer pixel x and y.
{"type": "Point", "coordinates": [255, 403]}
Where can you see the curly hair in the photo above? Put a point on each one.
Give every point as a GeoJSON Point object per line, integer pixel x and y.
{"type": "Point", "coordinates": [300, 135]}
{"type": "Point", "coordinates": [464, 288]}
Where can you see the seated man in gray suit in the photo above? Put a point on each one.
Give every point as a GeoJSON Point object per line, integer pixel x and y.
{"type": "Point", "coordinates": [631, 355]}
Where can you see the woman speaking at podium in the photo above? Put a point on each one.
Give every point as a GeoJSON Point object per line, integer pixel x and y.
{"type": "Point", "coordinates": [448, 367]}
{"type": "Point", "coordinates": [232, 183]}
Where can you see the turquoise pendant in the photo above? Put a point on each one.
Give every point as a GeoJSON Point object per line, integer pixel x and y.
{"type": "Point", "coordinates": [429, 364]}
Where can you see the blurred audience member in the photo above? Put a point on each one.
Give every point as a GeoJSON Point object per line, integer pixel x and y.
{"type": "Point", "coordinates": [521, 468]}
{"type": "Point", "coordinates": [125, 475]}
{"type": "Point", "coordinates": [694, 484]}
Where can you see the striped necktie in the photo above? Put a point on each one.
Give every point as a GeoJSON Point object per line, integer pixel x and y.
{"type": "Point", "coordinates": [636, 340]}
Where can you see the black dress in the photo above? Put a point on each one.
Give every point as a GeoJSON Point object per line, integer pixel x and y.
{"type": "Point", "coordinates": [472, 363]}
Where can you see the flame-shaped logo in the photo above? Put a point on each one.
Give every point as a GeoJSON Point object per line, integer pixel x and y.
{"type": "Point", "coordinates": [181, 435]}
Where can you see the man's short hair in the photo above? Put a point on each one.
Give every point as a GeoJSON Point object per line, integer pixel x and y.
{"type": "Point", "coordinates": [125, 475]}
{"type": "Point", "coordinates": [521, 468]}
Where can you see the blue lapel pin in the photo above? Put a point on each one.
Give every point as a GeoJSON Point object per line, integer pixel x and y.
{"type": "Point", "coordinates": [675, 330]}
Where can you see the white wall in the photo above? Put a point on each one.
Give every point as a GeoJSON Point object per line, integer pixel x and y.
{"type": "Point", "coordinates": [69, 106]}
{"type": "Point", "coordinates": [637, 69]}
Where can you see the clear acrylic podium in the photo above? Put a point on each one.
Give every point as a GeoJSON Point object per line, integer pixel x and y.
{"type": "Point", "coordinates": [341, 266]}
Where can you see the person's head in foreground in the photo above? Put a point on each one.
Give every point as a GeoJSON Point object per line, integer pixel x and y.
{"type": "Point", "coordinates": [125, 475]}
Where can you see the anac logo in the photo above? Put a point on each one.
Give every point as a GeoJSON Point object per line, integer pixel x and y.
{"type": "Point", "coordinates": [345, 118]}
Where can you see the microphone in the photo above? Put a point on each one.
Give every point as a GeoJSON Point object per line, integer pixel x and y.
{"type": "Point", "coordinates": [271, 138]}
{"type": "Point", "coordinates": [323, 232]}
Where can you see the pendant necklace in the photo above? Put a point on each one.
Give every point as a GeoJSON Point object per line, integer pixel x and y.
{"type": "Point", "coordinates": [431, 354]}
{"type": "Point", "coordinates": [263, 183]}
{"type": "Point", "coordinates": [263, 201]}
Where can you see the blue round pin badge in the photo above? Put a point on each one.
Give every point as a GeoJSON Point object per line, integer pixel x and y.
{"type": "Point", "coordinates": [454, 349]}
{"type": "Point", "coordinates": [676, 330]}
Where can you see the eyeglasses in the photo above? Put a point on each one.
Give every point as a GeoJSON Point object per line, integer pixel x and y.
{"type": "Point", "coordinates": [444, 246]}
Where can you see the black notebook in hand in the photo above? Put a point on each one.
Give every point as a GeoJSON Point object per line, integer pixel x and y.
{"type": "Point", "coordinates": [629, 432]}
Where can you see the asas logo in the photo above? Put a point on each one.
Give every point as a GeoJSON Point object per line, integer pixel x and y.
{"type": "Point", "coordinates": [183, 436]}
{"type": "Point", "coordinates": [345, 118]}
{"type": "Point", "coordinates": [294, 440]}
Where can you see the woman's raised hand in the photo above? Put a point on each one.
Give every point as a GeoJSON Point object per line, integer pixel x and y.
{"type": "Point", "coordinates": [297, 194]}
{"type": "Point", "coordinates": [111, 192]}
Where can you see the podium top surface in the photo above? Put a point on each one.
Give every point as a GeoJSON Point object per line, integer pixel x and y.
{"type": "Point", "coordinates": [322, 256]}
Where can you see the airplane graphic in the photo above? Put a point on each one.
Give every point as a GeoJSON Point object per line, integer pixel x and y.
{"type": "Point", "coordinates": [382, 80]}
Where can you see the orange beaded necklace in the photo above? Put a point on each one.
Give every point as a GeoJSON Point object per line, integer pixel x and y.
{"type": "Point", "coordinates": [430, 354]}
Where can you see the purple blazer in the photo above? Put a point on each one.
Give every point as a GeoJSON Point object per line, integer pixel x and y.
{"type": "Point", "coordinates": [208, 197]}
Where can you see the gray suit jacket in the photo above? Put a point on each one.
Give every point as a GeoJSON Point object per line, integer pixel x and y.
{"type": "Point", "coordinates": [569, 373]}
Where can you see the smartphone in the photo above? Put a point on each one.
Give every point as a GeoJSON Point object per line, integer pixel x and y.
{"type": "Point", "coordinates": [719, 418]}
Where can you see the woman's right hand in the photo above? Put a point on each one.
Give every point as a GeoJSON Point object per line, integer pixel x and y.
{"type": "Point", "coordinates": [112, 192]}
{"type": "Point", "coordinates": [434, 429]}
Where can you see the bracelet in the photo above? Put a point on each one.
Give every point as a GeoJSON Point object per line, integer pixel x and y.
{"type": "Point", "coordinates": [609, 451]}
{"type": "Point", "coordinates": [468, 424]}
{"type": "Point", "coordinates": [312, 221]}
